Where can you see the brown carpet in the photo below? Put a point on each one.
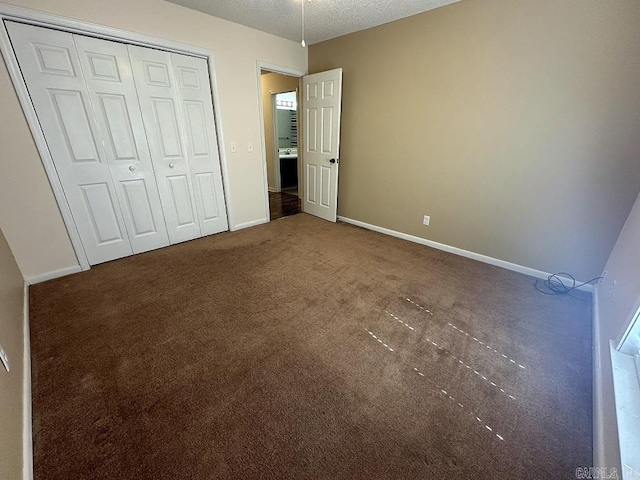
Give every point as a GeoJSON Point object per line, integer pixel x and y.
{"type": "Point", "coordinates": [290, 350]}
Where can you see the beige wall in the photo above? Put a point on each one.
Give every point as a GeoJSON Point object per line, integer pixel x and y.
{"type": "Point", "coordinates": [273, 83]}
{"type": "Point", "coordinates": [513, 123]}
{"type": "Point", "coordinates": [11, 338]}
{"type": "Point", "coordinates": [615, 310]}
{"type": "Point", "coordinates": [33, 225]}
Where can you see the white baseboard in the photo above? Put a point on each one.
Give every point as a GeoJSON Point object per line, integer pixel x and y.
{"type": "Point", "coordinates": [27, 437]}
{"type": "Point", "coordinates": [598, 408]}
{"type": "Point", "coordinates": [54, 274]}
{"type": "Point", "coordinates": [458, 251]}
{"type": "Point", "coordinates": [252, 223]}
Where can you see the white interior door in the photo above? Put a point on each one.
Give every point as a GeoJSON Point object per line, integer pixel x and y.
{"type": "Point", "coordinates": [196, 106]}
{"type": "Point", "coordinates": [107, 72]}
{"type": "Point", "coordinates": [321, 106]}
{"type": "Point", "coordinates": [49, 64]}
{"type": "Point", "coordinates": [160, 104]}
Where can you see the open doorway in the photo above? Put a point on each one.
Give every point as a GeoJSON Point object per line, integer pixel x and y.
{"type": "Point", "coordinates": [281, 134]}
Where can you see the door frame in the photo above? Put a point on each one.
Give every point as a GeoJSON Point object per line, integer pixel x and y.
{"type": "Point", "coordinates": [292, 72]}
{"type": "Point", "coordinates": [277, 180]}
{"type": "Point", "coordinates": [49, 20]}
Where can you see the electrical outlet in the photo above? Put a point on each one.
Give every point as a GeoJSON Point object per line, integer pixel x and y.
{"type": "Point", "coordinates": [426, 220]}
{"type": "Point", "coordinates": [4, 358]}
{"type": "Point", "coordinates": [604, 275]}
{"type": "Point", "coordinates": [234, 147]}
{"type": "Point", "coordinates": [249, 147]}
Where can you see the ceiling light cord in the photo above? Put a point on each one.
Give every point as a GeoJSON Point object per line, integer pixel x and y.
{"type": "Point", "coordinates": [303, 43]}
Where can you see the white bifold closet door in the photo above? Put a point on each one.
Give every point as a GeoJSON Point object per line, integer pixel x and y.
{"type": "Point", "coordinates": [112, 91]}
{"type": "Point", "coordinates": [175, 97]}
{"type": "Point", "coordinates": [51, 68]}
{"type": "Point", "coordinates": [139, 166]}
{"type": "Point", "coordinates": [194, 96]}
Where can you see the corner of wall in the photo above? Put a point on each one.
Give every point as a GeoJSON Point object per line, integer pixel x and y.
{"type": "Point", "coordinates": [598, 444]}
{"type": "Point", "coordinates": [27, 437]}
{"type": "Point", "coordinates": [606, 453]}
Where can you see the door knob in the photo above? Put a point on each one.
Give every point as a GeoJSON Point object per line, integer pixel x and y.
{"type": "Point", "coordinates": [333, 160]}
{"type": "Point", "coordinates": [132, 168]}
{"type": "Point", "coordinates": [171, 165]}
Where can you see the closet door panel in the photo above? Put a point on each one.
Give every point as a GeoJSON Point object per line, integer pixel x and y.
{"type": "Point", "coordinates": [196, 105]}
{"type": "Point", "coordinates": [109, 78]}
{"type": "Point", "coordinates": [180, 195]}
{"type": "Point", "coordinates": [159, 102]}
{"type": "Point", "coordinates": [50, 66]}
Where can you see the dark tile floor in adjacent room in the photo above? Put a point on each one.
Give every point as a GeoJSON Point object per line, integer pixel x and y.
{"type": "Point", "coordinates": [283, 204]}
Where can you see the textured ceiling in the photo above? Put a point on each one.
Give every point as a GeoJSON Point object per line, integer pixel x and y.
{"type": "Point", "coordinates": [324, 19]}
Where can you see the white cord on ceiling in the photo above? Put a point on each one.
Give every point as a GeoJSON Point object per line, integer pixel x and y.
{"type": "Point", "coordinates": [303, 43]}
